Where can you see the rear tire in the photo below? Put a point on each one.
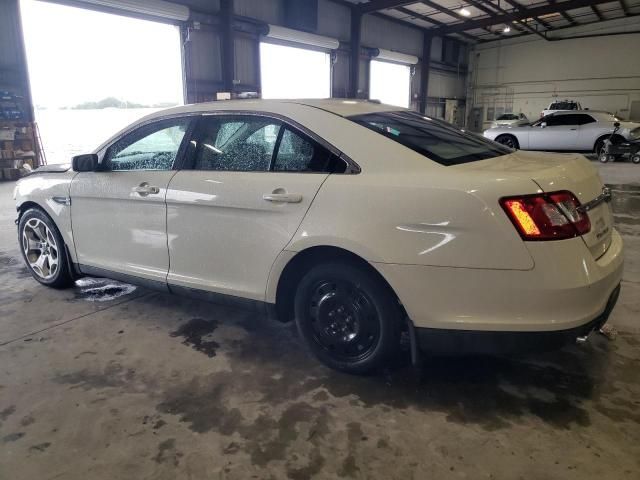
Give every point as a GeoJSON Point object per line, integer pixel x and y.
{"type": "Point", "coordinates": [43, 249]}
{"type": "Point", "coordinates": [509, 141]}
{"type": "Point", "coordinates": [348, 317]}
{"type": "Point", "coordinates": [636, 158]}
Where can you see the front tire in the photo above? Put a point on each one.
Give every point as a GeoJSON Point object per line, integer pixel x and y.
{"type": "Point", "coordinates": [509, 141]}
{"type": "Point", "coordinates": [43, 249]}
{"type": "Point", "coordinates": [348, 317]}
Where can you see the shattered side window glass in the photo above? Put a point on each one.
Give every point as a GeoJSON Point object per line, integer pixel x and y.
{"type": "Point", "coordinates": [243, 144]}
{"type": "Point", "coordinates": [152, 147]}
{"type": "Point", "coordinates": [297, 154]}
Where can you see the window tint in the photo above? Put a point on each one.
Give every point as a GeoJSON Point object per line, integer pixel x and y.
{"type": "Point", "coordinates": [297, 154]}
{"type": "Point", "coordinates": [583, 119]}
{"type": "Point", "coordinates": [435, 139]}
{"type": "Point", "coordinates": [563, 106]}
{"type": "Point", "coordinates": [236, 143]}
{"type": "Point", "coordinates": [152, 147]}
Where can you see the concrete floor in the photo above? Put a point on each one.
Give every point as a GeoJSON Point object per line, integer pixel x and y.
{"type": "Point", "coordinates": [152, 386]}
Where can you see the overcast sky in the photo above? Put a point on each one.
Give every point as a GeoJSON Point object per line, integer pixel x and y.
{"type": "Point", "coordinates": [77, 55]}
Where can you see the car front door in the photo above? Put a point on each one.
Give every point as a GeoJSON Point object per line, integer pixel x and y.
{"type": "Point", "coordinates": [251, 181]}
{"type": "Point", "coordinates": [560, 133]}
{"type": "Point", "coordinates": [119, 213]}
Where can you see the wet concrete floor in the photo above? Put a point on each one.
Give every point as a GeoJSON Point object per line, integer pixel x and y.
{"type": "Point", "coordinates": [104, 381]}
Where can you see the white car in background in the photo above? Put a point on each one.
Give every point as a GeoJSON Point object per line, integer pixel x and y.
{"type": "Point", "coordinates": [361, 221]}
{"type": "Point", "coordinates": [581, 131]}
{"type": "Point", "coordinates": [510, 119]}
{"type": "Point", "coordinates": [559, 106]}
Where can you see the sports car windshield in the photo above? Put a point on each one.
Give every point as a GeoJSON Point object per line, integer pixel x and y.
{"type": "Point", "coordinates": [433, 138]}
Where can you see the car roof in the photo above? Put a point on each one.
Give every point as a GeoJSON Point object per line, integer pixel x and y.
{"type": "Point", "coordinates": [594, 113]}
{"type": "Point", "coordinates": [339, 106]}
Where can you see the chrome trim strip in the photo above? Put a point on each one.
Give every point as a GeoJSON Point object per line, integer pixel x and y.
{"type": "Point", "coordinates": [605, 196]}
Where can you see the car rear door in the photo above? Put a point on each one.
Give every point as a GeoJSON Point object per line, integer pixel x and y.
{"type": "Point", "coordinates": [588, 132]}
{"type": "Point", "coordinates": [250, 182]}
{"type": "Point", "coordinates": [118, 214]}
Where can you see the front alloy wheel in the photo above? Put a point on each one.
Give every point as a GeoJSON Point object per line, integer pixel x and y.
{"type": "Point", "coordinates": [43, 249]}
{"type": "Point", "coordinates": [40, 249]}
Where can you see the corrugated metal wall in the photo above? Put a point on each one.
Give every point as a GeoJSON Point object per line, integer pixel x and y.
{"type": "Point", "coordinates": [13, 69]}
{"type": "Point", "coordinates": [203, 57]}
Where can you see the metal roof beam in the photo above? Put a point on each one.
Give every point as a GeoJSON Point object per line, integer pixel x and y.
{"type": "Point", "coordinates": [375, 5]}
{"type": "Point", "coordinates": [597, 12]}
{"type": "Point", "coordinates": [518, 6]}
{"type": "Point", "coordinates": [516, 16]}
{"type": "Point", "coordinates": [624, 7]}
{"type": "Point", "coordinates": [433, 21]}
{"type": "Point", "coordinates": [564, 14]}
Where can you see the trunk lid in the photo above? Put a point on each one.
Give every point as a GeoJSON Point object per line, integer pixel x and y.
{"type": "Point", "coordinates": [556, 171]}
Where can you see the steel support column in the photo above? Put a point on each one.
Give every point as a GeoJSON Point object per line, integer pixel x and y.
{"type": "Point", "coordinates": [227, 43]}
{"type": "Point", "coordinates": [425, 67]}
{"type": "Point", "coordinates": [354, 61]}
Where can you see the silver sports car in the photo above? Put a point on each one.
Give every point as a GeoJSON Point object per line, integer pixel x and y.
{"type": "Point", "coordinates": [576, 131]}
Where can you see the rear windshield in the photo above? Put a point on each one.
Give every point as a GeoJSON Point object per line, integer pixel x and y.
{"type": "Point", "coordinates": [508, 116]}
{"type": "Point", "coordinates": [563, 106]}
{"type": "Point", "coordinates": [435, 139]}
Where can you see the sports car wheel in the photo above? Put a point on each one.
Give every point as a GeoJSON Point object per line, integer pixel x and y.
{"type": "Point", "coordinates": [508, 140]}
{"type": "Point", "coordinates": [43, 249]}
{"type": "Point", "coordinates": [348, 318]}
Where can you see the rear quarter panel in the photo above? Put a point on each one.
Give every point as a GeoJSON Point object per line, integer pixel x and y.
{"type": "Point", "coordinates": [440, 218]}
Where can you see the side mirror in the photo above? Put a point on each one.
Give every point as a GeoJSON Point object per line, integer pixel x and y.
{"type": "Point", "coordinates": [85, 163]}
{"type": "Point", "coordinates": [543, 125]}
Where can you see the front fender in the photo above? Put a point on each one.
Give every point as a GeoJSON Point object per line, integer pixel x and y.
{"type": "Point", "coordinates": [50, 192]}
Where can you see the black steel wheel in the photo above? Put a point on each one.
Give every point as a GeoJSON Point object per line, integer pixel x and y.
{"type": "Point", "coordinates": [508, 140]}
{"type": "Point", "coordinates": [348, 317]}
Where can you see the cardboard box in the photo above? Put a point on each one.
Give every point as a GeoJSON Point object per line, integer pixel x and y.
{"type": "Point", "coordinates": [7, 134]}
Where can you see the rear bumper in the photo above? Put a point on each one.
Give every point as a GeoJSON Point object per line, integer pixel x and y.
{"type": "Point", "coordinates": [566, 289]}
{"type": "Point", "coordinates": [441, 341]}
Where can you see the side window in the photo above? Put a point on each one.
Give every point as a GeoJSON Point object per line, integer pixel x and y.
{"type": "Point", "coordinates": [552, 120]}
{"type": "Point", "coordinates": [244, 144]}
{"type": "Point", "coordinates": [151, 147]}
{"type": "Point", "coordinates": [569, 119]}
{"type": "Point", "coordinates": [583, 119]}
{"type": "Point", "coordinates": [297, 154]}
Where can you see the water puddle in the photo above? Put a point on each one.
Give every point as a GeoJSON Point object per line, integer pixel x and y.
{"type": "Point", "coordinates": [101, 289]}
{"type": "Point", "coordinates": [197, 334]}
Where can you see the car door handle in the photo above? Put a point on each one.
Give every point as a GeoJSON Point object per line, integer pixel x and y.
{"type": "Point", "coordinates": [282, 197]}
{"type": "Point", "coordinates": [145, 189]}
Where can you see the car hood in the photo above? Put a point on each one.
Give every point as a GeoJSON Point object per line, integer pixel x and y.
{"type": "Point", "coordinates": [56, 168]}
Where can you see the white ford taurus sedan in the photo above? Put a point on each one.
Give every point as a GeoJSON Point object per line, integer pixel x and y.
{"type": "Point", "coordinates": [365, 223]}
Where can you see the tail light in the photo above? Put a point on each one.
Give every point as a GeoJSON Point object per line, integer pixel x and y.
{"type": "Point", "coordinates": [547, 216]}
